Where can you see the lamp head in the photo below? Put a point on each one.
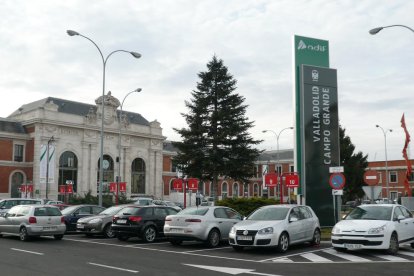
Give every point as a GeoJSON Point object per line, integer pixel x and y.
{"type": "Point", "coordinates": [375, 30]}
{"type": "Point", "coordinates": [264, 131]}
{"type": "Point", "coordinates": [138, 90]}
{"type": "Point", "coordinates": [376, 125]}
{"type": "Point", "coordinates": [135, 54]}
{"type": "Point", "coordinates": [390, 130]}
{"type": "Point", "coordinates": [72, 33]}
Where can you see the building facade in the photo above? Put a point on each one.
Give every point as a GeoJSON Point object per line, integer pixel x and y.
{"type": "Point", "coordinates": [72, 130]}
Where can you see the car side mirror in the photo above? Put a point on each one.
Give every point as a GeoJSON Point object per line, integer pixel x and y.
{"type": "Point", "coordinates": [400, 218]}
{"type": "Point", "coordinates": [293, 219]}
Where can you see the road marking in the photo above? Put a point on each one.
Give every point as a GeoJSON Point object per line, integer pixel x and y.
{"type": "Point", "coordinates": [287, 256]}
{"type": "Point", "coordinates": [114, 267]}
{"type": "Point", "coordinates": [26, 251]}
{"type": "Point", "coordinates": [391, 258]}
{"type": "Point", "coordinates": [406, 253]}
{"type": "Point", "coordinates": [315, 258]}
{"type": "Point", "coordinates": [347, 256]}
{"type": "Point", "coordinates": [207, 249]}
{"type": "Point", "coordinates": [231, 270]}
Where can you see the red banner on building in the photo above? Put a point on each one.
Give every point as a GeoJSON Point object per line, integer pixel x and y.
{"type": "Point", "coordinates": [291, 180]}
{"type": "Point", "coordinates": [271, 179]}
{"type": "Point", "coordinates": [66, 189]}
{"type": "Point", "coordinates": [122, 187]}
{"type": "Point", "coordinates": [26, 188]}
{"type": "Point", "coordinates": [192, 184]}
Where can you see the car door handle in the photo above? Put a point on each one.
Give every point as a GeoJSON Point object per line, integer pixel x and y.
{"type": "Point", "coordinates": [220, 222]}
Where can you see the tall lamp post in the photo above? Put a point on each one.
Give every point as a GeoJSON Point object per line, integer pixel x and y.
{"type": "Point", "coordinates": [104, 60]}
{"type": "Point", "coordinates": [378, 29]}
{"type": "Point", "coordinates": [386, 159]}
{"type": "Point", "coordinates": [118, 179]}
{"type": "Point", "coordinates": [277, 152]}
{"type": "Point", "coordinates": [52, 139]}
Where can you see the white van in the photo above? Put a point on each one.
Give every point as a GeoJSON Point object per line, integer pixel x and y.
{"type": "Point", "coordinates": [7, 203]}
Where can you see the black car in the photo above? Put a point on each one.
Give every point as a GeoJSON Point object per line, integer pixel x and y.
{"type": "Point", "coordinates": [145, 222]}
{"type": "Point", "coordinates": [71, 214]}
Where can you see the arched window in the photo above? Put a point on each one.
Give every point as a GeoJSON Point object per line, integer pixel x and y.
{"type": "Point", "coordinates": [256, 190]}
{"type": "Point", "coordinates": [246, 190]}
{"type": "Point", "coordinates": [108, 173]}
{"type": "Point", "coordinates": [138, 176]}
{"type": "Point", "coordinates": [16, 180]}
{"type": "Point", "coordinates": [68, 169]}
{"type": "Point", "coordinates": [224, 190]}
{"type": "Point", "coordinates": [236, 189]}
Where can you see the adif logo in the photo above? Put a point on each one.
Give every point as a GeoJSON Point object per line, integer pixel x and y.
{"type": "Point", "coordinates": [318, 48]}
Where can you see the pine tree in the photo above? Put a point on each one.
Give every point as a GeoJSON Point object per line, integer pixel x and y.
{"type": "Point", "coordinates": [354, 167]}
{"type": "Point", "coordinates": [216, 142]}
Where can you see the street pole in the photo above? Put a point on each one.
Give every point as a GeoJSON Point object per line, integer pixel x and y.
{"type": "Point", "coordinates": [386, 158]}
{"type": "Point", "coordinates": [279, 183]}
{"type": "Point", "coordinates": [104, 61]}
{"type": "Point", "coordinates": [47, 165]}
{"type": "Point", "coordinates": [118, 179]}
{"type": "Point", "coordinates": [378, 29]}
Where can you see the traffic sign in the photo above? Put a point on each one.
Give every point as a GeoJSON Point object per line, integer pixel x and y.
{"type": "Point", "coordinates": [337, 181]}
{"type": "Point", "coordinates": [371, 177]}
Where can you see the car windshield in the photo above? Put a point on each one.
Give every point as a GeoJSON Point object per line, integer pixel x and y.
{"type": "Point", "coordinates": [194, 211]}
{"type": "Point", "coordinates": [46, 211]}
{"type": "Point", "coordinates": [269, 214]}
{"type": "Point", "coordinates": [69, 210]}
{"type": "Point", "coordinates": [111, 210]}
{"type": "Point", "coordinates": [370, 213]}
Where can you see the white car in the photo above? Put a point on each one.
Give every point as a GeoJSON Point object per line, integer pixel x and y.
{"type": "Point", "coordinates": [374, 226]}
{"type": "Point", "coordinates": [276, 226]}
{"type": "Point", "coordinates": [210, 224]}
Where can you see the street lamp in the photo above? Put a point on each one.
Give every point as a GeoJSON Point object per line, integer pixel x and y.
{"type": "Point", "coordinates": [277, 153]}
{"type": "Point", "coordinates": [386, 159]}
{"type": "Point", "coordinates": [52, 139]}
{"type": "Point", "coordinates": [118, 179]}
{"type": "Point", "coordinates": [377, 30]}
{"type": "Point", "coordinates": [104, 60]}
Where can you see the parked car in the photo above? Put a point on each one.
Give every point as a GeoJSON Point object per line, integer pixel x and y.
{"type": "Point", "coordinates": [7, 203]}
{"type": "Point", "coordinates": [145, 222]}
{"type": "Point", "coordinates": [28, 221]}
{"type": "Point", "coordinates": [374, 226]}
{"type": "Point", "coordinates": [53, 202]}
{"type": "Point", "coordinates": [276, 226]}
{"type": "Point", "coordinates": [100, 223]}
{"type": "Point", "coordinates": [61, 206]}
{"type": "Point", "coordinates": [209, 224]}
{"type": "Point", "coordinates": [167, 203]}
{"type": "Point", "coordinates": [73, 213]}
{"type": "Point", "coordinates": [142, 201]}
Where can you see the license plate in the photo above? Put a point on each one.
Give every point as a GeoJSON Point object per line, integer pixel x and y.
{"type": "Point", "coordinates": [244, 238]}
{"type": "Point", "coordinates": [121, 221]}
{"type": "Point", "coordinates": [353, 246]}
{"type": "Point", "coordinates": [47, 228]}
{"type": "Point", "coordinates": [176, 230]}
{"type": "Point", "coordinates": [80, 226]}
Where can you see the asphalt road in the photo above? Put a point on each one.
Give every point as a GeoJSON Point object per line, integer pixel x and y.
{"type": "Point", "coordinates": [78, 255]}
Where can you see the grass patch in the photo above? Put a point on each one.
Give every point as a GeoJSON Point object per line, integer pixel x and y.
{"type": "Point", "coordinates": [326, 233]}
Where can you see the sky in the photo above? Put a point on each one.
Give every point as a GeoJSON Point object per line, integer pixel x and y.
{"type": "Point", "coordinates": [177, 38]}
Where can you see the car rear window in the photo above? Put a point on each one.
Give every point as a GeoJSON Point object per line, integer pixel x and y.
{"type": "Point", "coordinates": [194, 211]}
{"type": "Point", "coordinates": [129, 211]}
{"type": "Point", "coordinates": [46, 211]}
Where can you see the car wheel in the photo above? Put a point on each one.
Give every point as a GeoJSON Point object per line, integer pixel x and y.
{"type": "Point", "coordinates": [58, 237]}
{"type": "Point", "coordinates": [175, 242]}
{"type": "Point", "coordinates": [122, 238]}
{"type": "Point", "coordinates": [238, 248]}
{"type": "Point", "coordinates": [108, 233]}
{"type": "Point", "coordinates": [23, 234]}
{"type": "Point", "coordinates": [150, 233]}
{"type": "Point", "coordinates": [213, 238]}
{"type": "Point", "coordinates": [316, 240]}
{"type": "Point", "coordinates": [394, 246]}
{"type": "Point", "coordinates": [283, 244]}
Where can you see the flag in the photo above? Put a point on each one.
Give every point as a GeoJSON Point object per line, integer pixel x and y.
{"type": "Point", "coordinates": [405, 155]}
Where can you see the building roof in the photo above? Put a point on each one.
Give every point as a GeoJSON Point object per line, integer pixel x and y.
{"type": "Point", "coordinates": [273, 155]}
{"type": "Point", "coordinates": [75, 108]}
{"type": "Point", "coordinates": [7, 125]}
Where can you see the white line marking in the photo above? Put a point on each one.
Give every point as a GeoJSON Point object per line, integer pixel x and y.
{"type": "Point", "coordinates": [347, 256]}
{"type": "Point", "coordinates": [408, 253]}
{"type": "Point", "coordinates": [26, 251]}
{"type": "Point", "coordinates": [287, 256]}
{"type": "Point", "coordinates": [316, 258]}
{"type": "Point", "coordinates": [207, 249]}
{"type": "Point", "coordinates": [391, 258]}
{"type": "Point", "coordinates": [114, 267]}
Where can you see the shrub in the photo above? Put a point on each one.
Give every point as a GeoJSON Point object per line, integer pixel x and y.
{"type": "Point", "coordinates": [246, 205]}
{"type": "Point", "coordinates": [88, 198]}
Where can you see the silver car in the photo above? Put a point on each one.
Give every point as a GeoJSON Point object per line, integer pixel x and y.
{"type": "Point", "coordinates": [28, 221]}
{"type": "Point", "coordinates": [100, 223]}
{"type": "Point", "coordinates": [276, 226]}
{"type": "Point", "coordinates": [210, 224]}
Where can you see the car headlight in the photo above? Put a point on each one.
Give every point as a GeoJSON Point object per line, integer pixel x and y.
{"type": "Point", "coordinates": [377, 230]}
{"type": "Point", "coordinates": [336, 230]}
{"type": "Point", "coordinates": [233, 230]}
{"type": "Point", "coordinates": [265, 231]}
{"type": "Point", "coordinates": [95, 221]}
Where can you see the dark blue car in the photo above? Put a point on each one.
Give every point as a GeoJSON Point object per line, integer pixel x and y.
{"type": "Point", "coordinates": [71, 214]}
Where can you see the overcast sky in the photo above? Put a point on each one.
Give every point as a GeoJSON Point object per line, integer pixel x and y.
{"type": "Point", "coordinates": [177, 38]}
